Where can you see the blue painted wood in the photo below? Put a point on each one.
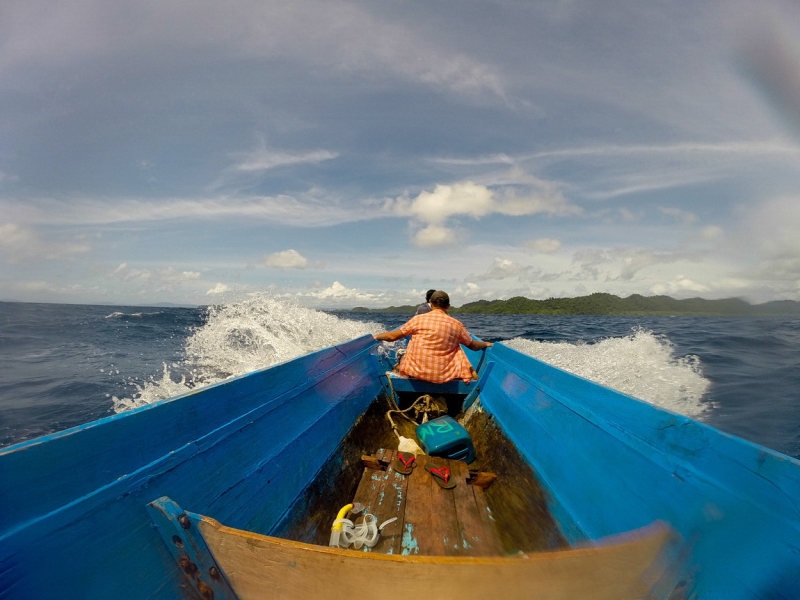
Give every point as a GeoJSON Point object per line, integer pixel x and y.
{"type": "Point", "coordinates": [74, 522]}
{"type": "Point", "coordinates": [418, 386]}
{"type": "Point", "coordinates": [476, 390]}
{"type": "Point", "coordinates": [183, 540]}
{"type": "Point", "coordinates": [243, 449]}
{"type": "Point", "coordinates": [611, 463]}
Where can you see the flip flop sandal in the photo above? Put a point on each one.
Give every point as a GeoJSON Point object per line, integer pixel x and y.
{"type": "Point", "coordinates": [441, 475]}
{"type": "Point", "coordinates": [403, 463]}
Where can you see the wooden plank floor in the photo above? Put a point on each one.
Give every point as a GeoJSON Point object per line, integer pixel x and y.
{"type": "Point", "coordinates": [432, 521]}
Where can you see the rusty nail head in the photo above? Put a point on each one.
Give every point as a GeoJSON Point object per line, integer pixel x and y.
{"type": "Point", "coordinates": [184, 521]}
{"type": "Point", "coordinates": [187, 565]}
{"type": "Point", "coordinates": [176, 539]}
{"type": "Point", "coordinates": [205, 590]}
{"type": "Point", "coordinates": [214, 573]}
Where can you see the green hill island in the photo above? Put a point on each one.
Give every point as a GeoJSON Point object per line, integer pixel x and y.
{"type": "Point", "coordinates": [608, 304]}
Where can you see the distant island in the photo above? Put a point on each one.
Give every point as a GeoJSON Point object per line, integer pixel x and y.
{"type": "Point", "coordinates": [609, 304]}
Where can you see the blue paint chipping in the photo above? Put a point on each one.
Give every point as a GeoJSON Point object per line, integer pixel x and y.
{"type": "Point", "coordinates": [409, 543]}
{"type": "Point", "coordinates": [399, 489]}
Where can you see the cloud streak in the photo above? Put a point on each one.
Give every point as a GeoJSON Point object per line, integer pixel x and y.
{"type": "Point", "coordinates": [306, 31]}
{"type": "Point", "coordinates": [309, 210]}
{"type": "Point", "coordinates": [265, 159]}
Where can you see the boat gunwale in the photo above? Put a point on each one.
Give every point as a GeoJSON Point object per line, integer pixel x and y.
{"type": "Point", "coordinates": [655, 529]}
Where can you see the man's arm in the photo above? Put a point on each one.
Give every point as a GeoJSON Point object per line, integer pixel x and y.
{"type": "Point", "coordinates": [476, 345]}
{"type": "Point", "coordinates": [389, 336]}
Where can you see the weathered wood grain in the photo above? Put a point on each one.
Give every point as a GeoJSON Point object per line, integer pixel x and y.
{"type": "Point", "coordinates": [432, 521]}
{"type": "Point", "coordinates": [265, 568]}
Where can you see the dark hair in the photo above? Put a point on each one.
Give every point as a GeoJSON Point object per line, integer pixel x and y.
{"type": "Point", "coordinates": [428, 295]}
{"type": "Point", "coordinates": [440, 299]}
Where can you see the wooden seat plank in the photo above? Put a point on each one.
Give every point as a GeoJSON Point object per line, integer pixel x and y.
{"type": "Point", "coordinates": [477, 531]}
{"type": "Point", "coordinates": [485, 515]}
{"type": "Point", "coordinates": [443, 519]}
{"type": "Point", "coordinates": [392, 499]}
{"type": "Point", "coordinates": [369, 488]}
{"type": "Point", "coordinates": [418, 538]}
{"type": "Point", "coordinates": [431, 520]}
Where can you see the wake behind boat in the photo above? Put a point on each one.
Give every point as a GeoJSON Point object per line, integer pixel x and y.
{"type": "Point", "coordinates": [232, 491]}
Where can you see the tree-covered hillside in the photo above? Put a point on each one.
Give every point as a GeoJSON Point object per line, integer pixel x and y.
{"type": "Point", "coordinates": [608, 304]}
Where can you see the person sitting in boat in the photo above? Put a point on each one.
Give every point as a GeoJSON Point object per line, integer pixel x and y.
{"type": "Point", "coordinates": [426, 307]}
{"type": "Point", "coordinates": [434, 353]}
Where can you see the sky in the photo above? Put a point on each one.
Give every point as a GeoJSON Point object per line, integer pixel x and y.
{"type": "Point", "coordinates": [357, 153]}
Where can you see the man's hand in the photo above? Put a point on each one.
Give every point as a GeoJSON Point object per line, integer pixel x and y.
{"type": "Point", "coordinates": [476, 345]}
{"type": "Point", "coordinates": [389, 336]}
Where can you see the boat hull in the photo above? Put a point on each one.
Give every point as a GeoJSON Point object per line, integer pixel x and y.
{"type": "Point", "coordinates": [610, 463]}
{"type": "Point", "coordinates": [268, 568]}
{"type": "Point", "coordinates": [246, 451]}
{"type": "Point", "coordinates": [74, 521]}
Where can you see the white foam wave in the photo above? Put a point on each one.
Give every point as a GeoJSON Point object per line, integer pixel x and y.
{"type": "Point", "coordinates": [642, 365]}
{"type": "Point", "coordinates": [241, 337]}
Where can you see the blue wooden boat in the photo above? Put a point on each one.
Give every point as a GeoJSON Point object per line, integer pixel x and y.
{"type": "Point", "coordinates": [230, 491]}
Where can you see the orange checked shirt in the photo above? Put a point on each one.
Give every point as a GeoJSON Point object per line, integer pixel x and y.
{"type": "Point", "coordinates": [434, 353]}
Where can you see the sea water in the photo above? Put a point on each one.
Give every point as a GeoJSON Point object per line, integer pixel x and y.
{"type": "Point", "coordinates": [65, 365]}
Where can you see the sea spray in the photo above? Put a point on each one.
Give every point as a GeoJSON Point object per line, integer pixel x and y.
{"type": "Point", "coordinates": [240, 337]}
{"type": "Point", "coordinates": [642, 365]}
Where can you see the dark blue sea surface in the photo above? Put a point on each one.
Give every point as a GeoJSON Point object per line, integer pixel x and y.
{"type": "Point", "coordinates": [63, 364]}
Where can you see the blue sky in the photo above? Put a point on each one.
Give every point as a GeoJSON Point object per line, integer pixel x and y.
{"type": "Point", "coordinates": [359, 153]}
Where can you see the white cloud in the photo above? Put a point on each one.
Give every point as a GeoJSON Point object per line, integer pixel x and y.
{"type": "Point", "coordinates": [20, 244]}
{"type": "Point", "coordinates": [679, 285]}
{"type": "Point", "coordinates": [170, 275]}
{"type": "Point", "coordinates": [469, 199]}
{"type": "Point", "coordinates": [476, 201]}
{"type": "Point", "coordinates": [287, 259]}
{"type": "Point", "coordinates": [446, 201]}
{"type": "Point", "coordinates": [220, 288]}
{"type": "Point", "coordinates": [770, 230]}
{"type": "Point", "coordinates": [338, 294]}
{"type": "Point", "coordinates": [162, 277]}
{"type": "Point", "coordinates": [543, 245]}
{"type": "Point", "coordinates": [435, 235]}
{"type": "Point", "coordinates": [503, 268]}
{"type": "Point", "coordinates": [337, 290]}
{"type": "Point", "coordinates": [636, 259]}
{"type": "Point", "coordinates": [601, 264]}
